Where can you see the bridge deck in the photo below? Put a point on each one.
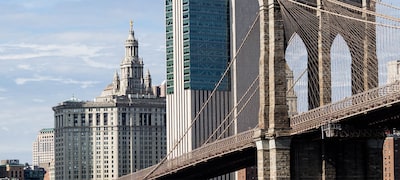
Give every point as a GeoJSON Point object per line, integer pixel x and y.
{"type": "Point", "coordinates": [313, 119]}
{"type": "Point", "coordinates": [348, 107]}
{"type": "Point", "coordinates": [206, 152]}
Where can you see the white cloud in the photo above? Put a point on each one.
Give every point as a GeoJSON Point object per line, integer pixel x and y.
{"type": "Point", "coordinates": [24, 67]}
{"type": "Point", "coordinates": [37, 78]}
{"type": "Point", "coordinates": [2, 90]}
{"type": "Point", "coordinates": [97, 64]}
{"type": "Point", "coordinates": [25, 51]}
{"type": "Point", "coordinates": [85, 52]}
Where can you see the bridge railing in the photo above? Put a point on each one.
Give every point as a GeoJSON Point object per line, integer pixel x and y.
{"type": "Point", "coordinates": [356, 104]}
{"type": "Point", "coordinates": [201, 154]}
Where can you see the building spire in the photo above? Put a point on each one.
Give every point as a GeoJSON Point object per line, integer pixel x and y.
{"type": "Point", "coordinates": [131, 36]}
{"type": "Point", "coordinates": [131, 23]}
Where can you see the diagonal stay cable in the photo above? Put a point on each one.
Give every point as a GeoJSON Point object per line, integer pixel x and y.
{"type": "Point", "coordinates": [344, 16]}
{"type": "Point", "coordinates": [230, 113]}
{"type": "Point", "coordinates": [386, 4]}
{"type": "Point", "coordinates": [208, 99]}
{"type": "Point", "coordinates": [364, 11]}
{"type": "Point", "coordinates": [241, 109]}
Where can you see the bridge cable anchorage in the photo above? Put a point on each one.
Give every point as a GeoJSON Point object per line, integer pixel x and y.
{"type": "Point", "coordinates": [208, 99]}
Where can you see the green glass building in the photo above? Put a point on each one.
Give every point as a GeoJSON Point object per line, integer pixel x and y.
{"type": "Point", "coordinates": [197, 55]}
{"type": "Point", "coordinates": [204, 37]}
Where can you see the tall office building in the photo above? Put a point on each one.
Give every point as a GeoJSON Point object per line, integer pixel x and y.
{"type": "Point", "coordinates": [122, 131]}
{"type": "Point", "coordinates": [245, 23]}
{"type": "Point", "coordinates": [393, 71]}
{"type": "Point", "coordinates": [43, 147]}
{"type": "Point", "coordinates": [202, 37]}
{"type": "Point", "coordinates": [198, 51]}
{"type": "Point", "coordinates": [43, 151]}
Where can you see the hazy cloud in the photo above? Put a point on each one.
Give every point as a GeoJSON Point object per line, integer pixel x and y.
{"type": "Point", "coordinates": [26, 51]}
{"type": "Point", "coordinates": [24, 67]}
{"type": "Point", "coordinates": [37, 78]}
{"type": "Point", "coordinates": [5, 129]}
{"type": "Point", "coordinates": [97, 64]}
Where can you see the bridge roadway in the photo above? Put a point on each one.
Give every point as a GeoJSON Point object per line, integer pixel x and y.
{"type": "Point", "coordinates": [239, 150]}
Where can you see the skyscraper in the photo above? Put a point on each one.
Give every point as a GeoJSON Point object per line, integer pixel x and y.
{"type": "Point", "coordinates": [202, 38]}
{"type": "Point", "coordinates": [393, 71]}
{"type": "Point", "coordinates": [122, 131]}
{"type": "Point", "coordinates": [245, 67]}
{"type": "Point", "coordinates": [198, 52]}
{"type": "Point", "coordinates": [43, 147]}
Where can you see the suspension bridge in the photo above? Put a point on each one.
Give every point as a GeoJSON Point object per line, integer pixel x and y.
{"type": "Point", "coordinates": [339, 134]}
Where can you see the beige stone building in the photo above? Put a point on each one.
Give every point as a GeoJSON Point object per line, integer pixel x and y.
{"type": "Point", "coordinates": [393, 71]}
{"type": "Point", "coordinates": [43, 147]}
{"type": "Point", "coordinates": [122, 131]}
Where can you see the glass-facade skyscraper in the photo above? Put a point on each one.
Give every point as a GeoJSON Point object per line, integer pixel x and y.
{"type": "Point", "coordinates": [198, 52]}
{"type": "Point", "coordinates": [203, 39]}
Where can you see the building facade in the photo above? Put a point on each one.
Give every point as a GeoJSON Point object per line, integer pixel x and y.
{"type": "Point", "coordinates": [391, 156]}
{"type": "Point", "coordinates": [393, 71]}
{"type": "Point", "coordinates": [43, 147]}
{"type": "Point", "coordinates": [197, 55]}
{"type": "Point", "coordinates": [122, 131]}
{"type": "Point", "coordinates": [391, 145]}
{"type": "Point", "coordinates": [12, 169]}
{"type": "Point", "coordinates": [202, 38]}
{"type": "Point", "coordinates": [34, 173]}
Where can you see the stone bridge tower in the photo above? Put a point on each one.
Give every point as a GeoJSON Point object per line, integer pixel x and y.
{"type": "Point", "coordinates": [273, 140]}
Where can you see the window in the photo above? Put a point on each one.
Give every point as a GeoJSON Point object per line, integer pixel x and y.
{"type": "Point", "coordinates": [97, 119]}
{"type": "Point", "coordinates": [105, 118]}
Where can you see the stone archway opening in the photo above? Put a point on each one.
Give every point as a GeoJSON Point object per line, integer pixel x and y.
{"type": "Point", "coordinates": [296, 58]}
{"type": "Point", "coordinates": [340, 69]}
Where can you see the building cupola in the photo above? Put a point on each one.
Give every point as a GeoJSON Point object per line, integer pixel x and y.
{"type": "Point", "coordinates": [131, 44]}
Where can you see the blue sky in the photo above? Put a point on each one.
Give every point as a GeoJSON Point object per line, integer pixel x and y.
{"type": "Point", "coordinates": [51, 50]}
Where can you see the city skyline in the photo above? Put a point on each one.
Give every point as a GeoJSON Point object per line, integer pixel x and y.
{"type": "Point", "coordinates": [28, 54]}
{"type": "Point", "coordinates": [51, 51]}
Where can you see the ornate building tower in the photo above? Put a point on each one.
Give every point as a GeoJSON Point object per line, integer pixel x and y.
{"type": "Point", "coordinates": [131, 67]}
{"type": "Point", "coordinates": [116, 83]}
{"type": "Point", "coordinates": [131, 81]}
{"type": "Point", "coordinates": [147, 83]}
